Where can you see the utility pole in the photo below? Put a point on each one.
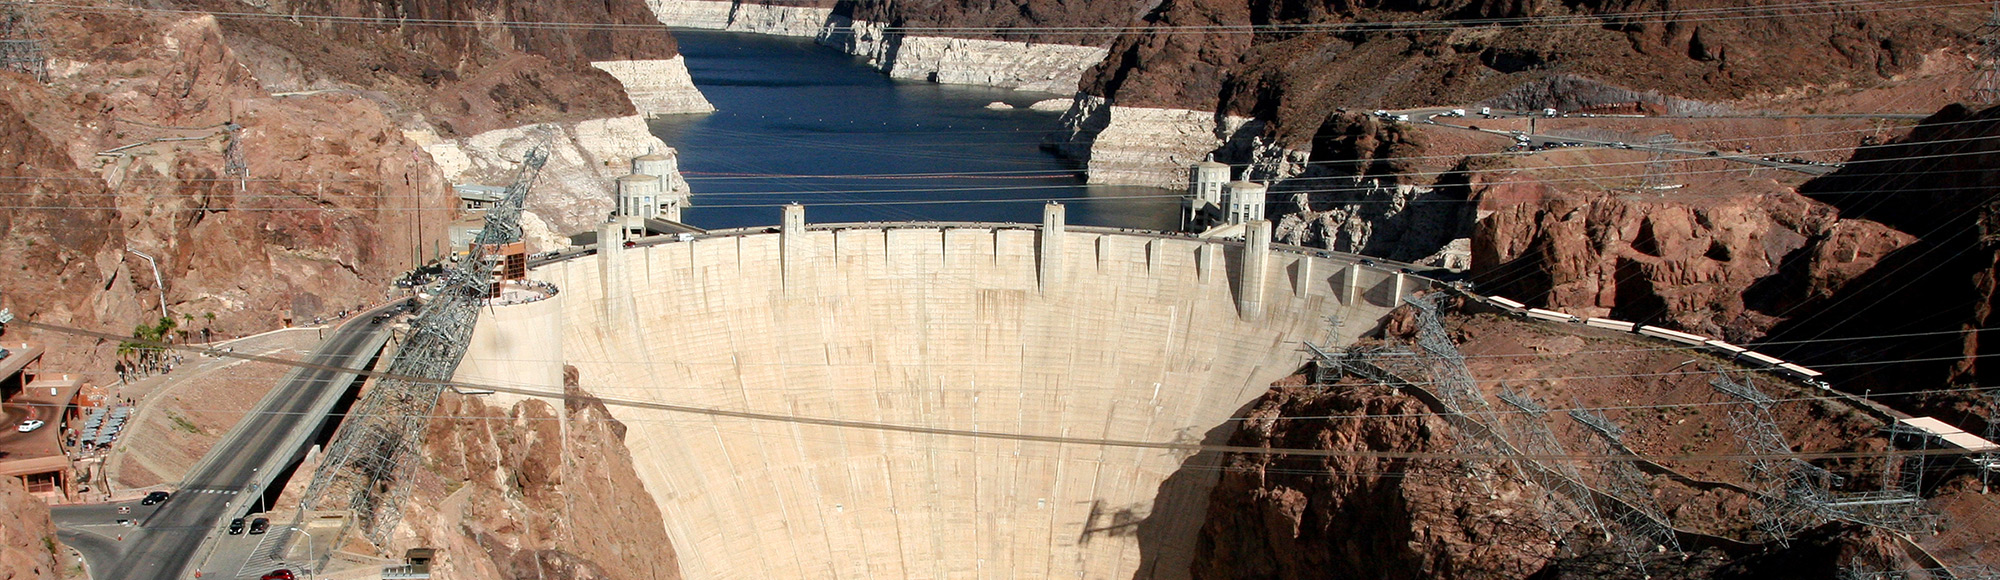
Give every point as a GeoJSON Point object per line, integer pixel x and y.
{"type": "Point", "coordinates": [1986, 87]}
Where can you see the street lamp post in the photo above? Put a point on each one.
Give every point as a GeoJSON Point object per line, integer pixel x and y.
{"type": "Point", "coordinates": [309, 548]}
{"type": "Point", "coordinates": [156, 279]}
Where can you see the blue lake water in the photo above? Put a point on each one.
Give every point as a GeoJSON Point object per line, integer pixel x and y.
{"type": "Point", "coordinates": [798, 122]}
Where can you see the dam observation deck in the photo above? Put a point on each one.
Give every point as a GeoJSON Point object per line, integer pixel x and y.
{"type": "Point", "coordinates": [1041, 329]}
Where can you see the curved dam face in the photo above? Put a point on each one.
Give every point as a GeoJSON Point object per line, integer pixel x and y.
{"type": "Point", "coordinates": [993, 328]}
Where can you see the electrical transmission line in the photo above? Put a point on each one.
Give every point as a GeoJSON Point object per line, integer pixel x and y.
{"type": "Point", "coordinates": [371, 463]}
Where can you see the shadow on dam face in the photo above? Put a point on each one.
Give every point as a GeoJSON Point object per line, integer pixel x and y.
{"type": "Point", "coordinates": [947, 328]}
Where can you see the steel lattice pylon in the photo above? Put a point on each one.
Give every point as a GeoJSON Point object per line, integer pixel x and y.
{"type": "Point", "coordinates": [1622, 480]}
{"type": "Point", "coordinates": [1659, 163]}
{"type": "Point", "coordinates": [1986, 88]}
{"type": "Point", "coordinates": [1793, 492]}
{"type": "Point", "coordinates": [1528, 432]}
{"type": "Point", "coordinates": [20, 45]}
{"type": "Point", "coordinates": [1438, 358]}
{"type": "Point", "coordinates": [368, 468]}
{"type": "Point", "coordinates": [1990, 462]}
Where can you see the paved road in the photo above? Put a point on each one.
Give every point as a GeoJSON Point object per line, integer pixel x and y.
{"type": "Point", "coordinates": [164, 539]}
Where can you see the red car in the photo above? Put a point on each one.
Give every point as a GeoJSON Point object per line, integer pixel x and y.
{"type": "Point", "coordinates": [279, 574]}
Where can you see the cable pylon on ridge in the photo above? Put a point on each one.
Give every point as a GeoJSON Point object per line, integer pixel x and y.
{"type": "Point", "coordinates": [370, 465]}
{"type": "Point", "coordinates": [1986, 87]}
{"type": "Point", "coordinates": [1636, 509]}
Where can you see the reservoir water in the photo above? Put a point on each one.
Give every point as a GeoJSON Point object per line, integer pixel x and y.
{"type": "Point", "coordinates": [799, 122]}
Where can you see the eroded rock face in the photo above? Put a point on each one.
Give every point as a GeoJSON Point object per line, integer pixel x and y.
{"type": "Point", "coordinates": [1685, 262]}
{"type": "Point", "coordinates": [1297, 78]}
{"type": "Point", "coordinates": [1937, 185]}
{"type": "Point", "coordinates": [532, 491]}
{"type": "Point", "coordinates": [161, 132]}
{"type": "Point", "coordinates": [1359, 517]}
{"type": "Point", "coordinates": [1184, 59]}
{"type": "Point", "coordinates": [325, 207]}
{"type": "Point", "coordinates": [464, 79]}
{"type": "Point", "coordinates": [27, 538]}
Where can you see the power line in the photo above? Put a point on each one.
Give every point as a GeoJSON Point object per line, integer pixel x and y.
{"type": "Point", "coordinates": [1817, 9]}
{"type": "Point", "coordinates": [917, 429]}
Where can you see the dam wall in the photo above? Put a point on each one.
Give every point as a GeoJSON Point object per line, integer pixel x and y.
{"type": "Point", "coordinates": [998, 328]}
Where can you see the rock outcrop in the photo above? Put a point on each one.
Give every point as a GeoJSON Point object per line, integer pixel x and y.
{"type": "Point", "coordinates": [967, 48]}
{"type": "Point", "coordinates": [27, 537]}
{"type": "Point", "coordinates": [1936, 187]}
{"type": "Point", "coordinates": [535, 491]}
{"type": "Point", "coordinates": [1283, 517]}
{"type": "Point", "coordinates": [153, 135]}
{"type": "Point", "coordinates": [1370, 511]}
{"type": "Point", "coordinates": [1703, 262]}
{"type": "Point", "coordinates": [281, 169]}
{"type": "Point", "coordinates": [657, 87]}
{"type": "Point", "coordinates": [1316, 58]}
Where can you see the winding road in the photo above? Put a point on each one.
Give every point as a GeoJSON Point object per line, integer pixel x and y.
{"type": "Point", "coordinates": [160, 542]}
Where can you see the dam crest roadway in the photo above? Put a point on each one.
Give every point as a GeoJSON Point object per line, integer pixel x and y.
{"type": "Point", "coordinates": [1040, 329]}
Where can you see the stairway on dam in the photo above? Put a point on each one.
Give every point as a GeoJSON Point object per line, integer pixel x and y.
{"type": "Point", "coordinates": [1003, 328]}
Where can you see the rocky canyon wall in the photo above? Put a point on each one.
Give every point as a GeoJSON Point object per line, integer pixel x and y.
{"type": "Point", "coordinates": [882, 35]}
{"type": "Point", "coordinates": [1304, 66]}
{"type": "Point", "coordinates": [283, 169]}
{"type": "Point", "coordinates": [534, 490]}
{"type": "Point", "coordinates": [27, 538]}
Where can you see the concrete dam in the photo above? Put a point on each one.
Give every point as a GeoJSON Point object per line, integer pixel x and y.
{"type": "Point", "coordinates": [1040, 329]}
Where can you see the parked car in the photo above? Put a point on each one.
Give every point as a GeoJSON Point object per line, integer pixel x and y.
{"type": "Point", "coordinates": [236, 527]}
{"type": "Point", "coordinates": [279, 574]}
{"type": "Point", "coordinates": [29, 425]}
{"type": "Point", "coordinates": [259, 525]}
{"type": "Point", "coordinates": [158, 497]}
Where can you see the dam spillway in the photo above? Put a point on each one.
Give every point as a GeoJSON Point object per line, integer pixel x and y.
{"type": "Point", "coordinates": [1004, 328]}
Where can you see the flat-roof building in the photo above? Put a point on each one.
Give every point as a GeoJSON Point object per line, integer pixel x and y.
{"type": "Point", "coordinates": [39, 456]}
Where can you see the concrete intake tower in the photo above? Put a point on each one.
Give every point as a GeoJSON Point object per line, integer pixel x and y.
{"type": "Point", "coordinates": [1041, 329]}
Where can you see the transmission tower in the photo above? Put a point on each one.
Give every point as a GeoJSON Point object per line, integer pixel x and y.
{"type": "Point", "coordinates": [1567, 501]}
{"type": "Point", "coordinates": [1438, 358]}
{"type": "Point", "coordinates": [370, 465]}
{"type": "Point", "coordinates": [1659, 163]}
{"type": "Point", "coordinates": [1793, 492]}
{"type": "Point", "coordinates": [1986, 88]}
{"type": "Point", "coordinates": [20, 43]}
{"type": "Point", "coordinates": [1989, 462]}
{"type": "Point", "coordinates": [1622, 480]}
{"type": "Point", "coordinates": [233, 164]}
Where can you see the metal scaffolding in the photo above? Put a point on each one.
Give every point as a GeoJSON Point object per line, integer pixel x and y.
{"type": "Point", "coordinates": [21, 43]}
{"type": "Point", "coordinates": [1793, 493]}
{"type": "Point", "coordinates": [1636, 509]}
{"type": "Point", "coordinates": [370, 464]}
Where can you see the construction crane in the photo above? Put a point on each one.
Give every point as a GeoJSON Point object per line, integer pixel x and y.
{"type": "Point", "coordinates": [369, 465]}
